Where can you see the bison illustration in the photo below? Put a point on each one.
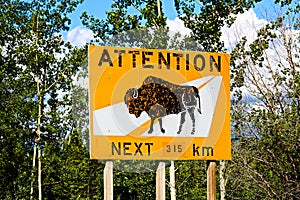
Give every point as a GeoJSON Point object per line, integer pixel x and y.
{"type": "Point", "coordinates": [159, 98]}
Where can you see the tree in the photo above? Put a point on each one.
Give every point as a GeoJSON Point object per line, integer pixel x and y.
{"type": "Point", "coordinates": [37, 66]}
{"type": "Point", "coordinates": [148, 14]}
{"type": "Point", "coordinates": [266, 157]}
{"type": "Point", "coordinates": [37, 70]}
{"type": "Point", "coordinates": [16, 115]}
{"type": "Point", "coordinates": [206, 18]}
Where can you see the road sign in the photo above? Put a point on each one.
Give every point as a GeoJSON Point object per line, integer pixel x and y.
{"type": "Point", "coordinates": [151, 104]}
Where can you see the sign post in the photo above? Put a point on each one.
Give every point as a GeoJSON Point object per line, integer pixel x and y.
{"type": "Point", "coordinates": [211, 180]}
{"type": "Point", "coordinates": [108, 180]}
{"type": "Point", "coordinates": [161, 181]}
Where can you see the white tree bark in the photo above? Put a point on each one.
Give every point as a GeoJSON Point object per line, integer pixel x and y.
{"type": "Point", "coordinates": [38, 131]}
{"type": "Point", "coordinates": [158, 8]}
{"type": "Point", "coordinates": [222, 179]}
{"type": "Point", "coordinates": [172, 181]}
{"type": "Point", "coordinates": [32, 174]}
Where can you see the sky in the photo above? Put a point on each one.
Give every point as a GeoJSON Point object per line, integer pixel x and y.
{"type": "Point", "coordinates": [246, 24]}
{"type": "Point", "coordinates": [79, 35]}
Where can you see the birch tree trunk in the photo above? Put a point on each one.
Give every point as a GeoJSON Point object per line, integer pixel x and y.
{"type": "Point", "coordinates": [222, 179]}
{"type": "Point", "coordinates": [172, 181]}
{"type": "Point", "coordinates": [158, 8]}
{"type": "Point", "coordinates": [38, 132]}
{"type": "Point", "coordinates": [32, 174]}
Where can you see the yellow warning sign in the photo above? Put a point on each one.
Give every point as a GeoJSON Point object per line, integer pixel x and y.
{"type": "Point", "coordinates": [150, 104]}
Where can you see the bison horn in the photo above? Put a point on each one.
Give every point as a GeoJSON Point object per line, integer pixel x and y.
{"type": "Point", "coordinates": [135, 93]}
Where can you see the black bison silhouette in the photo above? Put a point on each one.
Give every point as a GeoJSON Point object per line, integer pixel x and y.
{"type": "Point", "coordinates": [159, 98]}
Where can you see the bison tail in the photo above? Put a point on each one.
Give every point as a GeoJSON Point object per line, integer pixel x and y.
{"type": "Point", "coordinates": [197, 95]}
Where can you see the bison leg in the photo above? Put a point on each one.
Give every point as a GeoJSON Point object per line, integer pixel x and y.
{"type": "Point", "coordinates": [156, 111]}
{"type": "Point", "coordinates": [182, 120]}
{"type": "Point", "coordinates": [160, 124]}
{"type": "Point", "coordinates": [151, 125]}
{"type": "Point", "coordinates": [192, 115]}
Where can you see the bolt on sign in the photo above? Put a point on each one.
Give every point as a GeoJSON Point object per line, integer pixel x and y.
{"type": "Point", "coordinates": [151, 104]}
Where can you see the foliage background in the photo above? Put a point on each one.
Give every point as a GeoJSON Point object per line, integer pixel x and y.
{"type": "Point", "coordinates": [37, 72]}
